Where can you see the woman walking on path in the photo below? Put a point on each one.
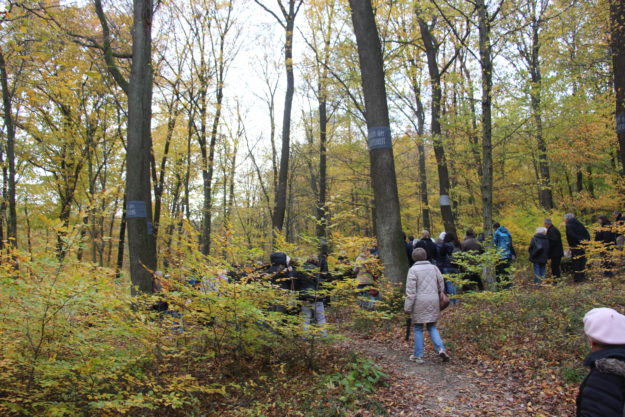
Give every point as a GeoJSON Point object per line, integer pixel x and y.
{"type": "Point", "coordinates": [423, 286]}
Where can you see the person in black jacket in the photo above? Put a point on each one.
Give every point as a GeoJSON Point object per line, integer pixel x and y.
{"type": "Point", "coordinates": [607, 237]}
{"type": "Point", "coordinates": [576, 233]}
{"type": "Point", "coordinates": [556, 251]}
{"type": "Point", "coordinates": [427, 244]}
{"type": "Point", "coordinates": [282, 276]}
{"type": "Point", "coordinates": [309, 280]}
{"type": "Point", "coordinates": [409, 249]}
{"type": "Point", "coordinates": [539, 254]}
{"type": "Point", "coordinates": [602, 394]}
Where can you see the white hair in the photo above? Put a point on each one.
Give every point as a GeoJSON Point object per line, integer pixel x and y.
{"type": "Point", "coordinates": [541, 230]}
{"type": "Point", "coordinates": [569, 216]}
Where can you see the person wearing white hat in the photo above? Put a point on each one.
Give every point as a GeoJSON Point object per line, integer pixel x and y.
{"type": "Point", "coordinates": [602, 394]}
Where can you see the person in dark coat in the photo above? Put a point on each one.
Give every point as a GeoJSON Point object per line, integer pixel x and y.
{"type": "Point", "coordinates": [309, 280]}
{"type": "Point", "coordinates": [576, 233]}
{"type": "Point", "coordinates": [282, 275]}
{"type": "Point", "coordinates": [473, 247]}
{"type": "Point", "coordinates": [539, 254]}
{"type": "Point", "coordinates": [607, 237]}
{"type": "Point", "coordinates": [409, 249]}
{"type": "Point", "coordinates": [619, 224]}
{"type": "Point", "coordinates": [602, 394]}
{"type": "Point", "coordinates": [556, 251]}
{"type": "Point", "coordinates": [449, 246]}
{"type": "Point", "coordinates": [426, 243]}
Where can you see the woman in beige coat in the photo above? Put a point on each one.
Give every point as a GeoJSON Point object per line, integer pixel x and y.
{"type": "Point", "coordinates": [423, 285]}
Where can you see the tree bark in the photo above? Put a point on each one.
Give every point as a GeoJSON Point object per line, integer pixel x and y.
{"type": "Point", "coordinates": [322, 210]}
{"type": "Point", "coordinates": [487, 145]}
{"type": "Point", "coordinates": [617, 44]}
{"type": "Point", "coordinates": [423, 184]}
{"type": "Point", "coordinates": [387, 215]}
{"type": "Point", "coordinates": [10, 149]}
{"type": "Point", "coordinates": [545, 195]}
{"type": "Point", "coordinates": [431, 50]}
{"type": "Point", "coordinates": [486, 63]}
{"type": "Point", "coordinates": [277, 221]}
{"type": "Point", "coordinates": [141, 242]}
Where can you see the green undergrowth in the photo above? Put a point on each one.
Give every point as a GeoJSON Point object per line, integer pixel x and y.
{"type": "Point", "coordinates": [536, 330]}
{"type": "Point", "coordinates": [73, 342]}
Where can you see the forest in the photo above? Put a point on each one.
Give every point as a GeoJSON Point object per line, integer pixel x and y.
{"type": "Point", "coordinates": [157, 152]}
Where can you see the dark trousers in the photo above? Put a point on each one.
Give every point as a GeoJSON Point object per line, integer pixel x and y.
{"type": "Point", "coordinates": [501, 270]}
{"type": "Point", "coordinates": [555, 266]}
{"type": "Point", "coordinates": [578, 263]}
{"type": "Point", "coordinates": [477, 282]}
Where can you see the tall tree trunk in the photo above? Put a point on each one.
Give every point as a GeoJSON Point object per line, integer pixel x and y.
{"type": "Point", "coordinates": [545, 195]}
{"type": "Point", "coordinates": [160, 185]}
{"type": "Point", "coordinates": [141, 242]}
{"type": "Point", "coordinates": [277, 221]}
{"type": "Point", "coordinates": [121, 243]}
{"type": "Point", "coordinates": [484, 21]}
{"type": "Point", "coordinates": [431, 50]}
{"type": "Point", "coordinates": [3, 204]}
{"type": "Point", "coordinates": [387, 215]}
{"type": "Point", "coordinates": [617, 44]}
{"type": "Point", "coordinates": [423, 183]}
{"type": "Point", "coordinates": [208, 182]}
{"type": "Point", "coordinates": [322, 210]}
{"type": "Point", "coordinates": [487, 145]}
{"type": "Point", "coordinates": [474, 141]}
{"type": "Point", "coordinates": [10, 149]}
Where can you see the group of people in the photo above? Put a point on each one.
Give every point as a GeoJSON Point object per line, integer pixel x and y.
{"type": "Point", "coordinates": [602, 393]}
{"type": "Point", "coordinates": [545, 247]}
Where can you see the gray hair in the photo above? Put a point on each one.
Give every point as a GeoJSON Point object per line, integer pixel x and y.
{"type": "Point", "coordinates": [419, 254]}
{"type": "Point", "coordinates": [548, 221]}
{"type": "Point", "coordinates": [568, 216]}
{"type": "Point", "coordinates": [541, 230]}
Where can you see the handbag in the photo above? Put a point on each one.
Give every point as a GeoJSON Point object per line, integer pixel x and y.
{"type": "Point", "coordinates": [443, 300]}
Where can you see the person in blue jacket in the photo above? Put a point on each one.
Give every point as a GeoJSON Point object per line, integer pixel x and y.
{"type": "Point", "coordinates": [602, 394]}
{"type": "Point", "coordinates": [503, 242]}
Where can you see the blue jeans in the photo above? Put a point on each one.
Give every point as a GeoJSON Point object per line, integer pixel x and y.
{"type": "Point", "coordinates": [366, 301]}
{"type": "Point", "coordinates": [450, 288]}
{"type": "Point", "coordinates": [434, 336]}
{"type": "Point", "coordinates": [539, 272]}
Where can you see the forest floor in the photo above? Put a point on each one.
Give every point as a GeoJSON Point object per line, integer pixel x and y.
{"type": "Point", "coordinates": [462, 387]}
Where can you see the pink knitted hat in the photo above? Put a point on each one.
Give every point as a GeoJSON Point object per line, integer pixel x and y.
{"type": "Point", "coordinates": [605, 325]}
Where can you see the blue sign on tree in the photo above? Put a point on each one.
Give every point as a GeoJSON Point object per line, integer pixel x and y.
{"type": "Point", "coordinates": [136, 209]}
{"type": "Point", "coordinates": [380, 138]}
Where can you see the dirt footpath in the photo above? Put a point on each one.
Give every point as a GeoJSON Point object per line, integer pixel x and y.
{"type": "Point", "coordinates": [456, 388]}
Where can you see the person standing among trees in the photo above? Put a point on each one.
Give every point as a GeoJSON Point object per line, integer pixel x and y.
{"type": "Point", "coordinates": [471, 246]}
{"type": "Point", "coordinates": [619, 222]}
{"type": "Point", "coordinates": [503, 242]}
{"type": "Point", "coordinates": [409, 248]}
{"type": "Point", "coordinates": [309, 280]}
{"type": "Point", "coordinates": [446, 253]}
{"type": "Point", "coordinates": [556, 251]}
{"type": "Point", "coordinates": [367, 293]}
{"type": "Point", "coordinates": [576, 233]}
{"type": "Point", "coordinates": [423, 286]}
{"type": "Point", "coordinates": [426, 243]}
{"type": "Point", "coordinates": [539, 254]}
{"type": "Point", "coordinates": [602, 393]}
{"type": "Point", "coordinates": [607, 237]}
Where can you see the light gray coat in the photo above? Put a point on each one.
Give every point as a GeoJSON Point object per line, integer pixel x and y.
{"type": "Point", "coordinates": [423, 285]}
